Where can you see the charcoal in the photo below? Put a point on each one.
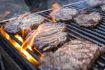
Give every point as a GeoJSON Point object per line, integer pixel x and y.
{"type": "Point", "coordinates": [65, 14]}
{"type": "Point", "coordinates": [50, 35]}
{"type": "Point", "coordinates": [31, 20]}
{"type": "Point", "coordinates": [12, 27]}
{"type": "Point", "coordinates": [88, 20]}
{"type": "Point", "coordinates": [74, 55]}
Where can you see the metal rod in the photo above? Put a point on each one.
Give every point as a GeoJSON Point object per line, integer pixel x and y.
{"type": "Point", "coordinates": [90, 31]}
{"type": "Point", "coordinates": [86, 35]}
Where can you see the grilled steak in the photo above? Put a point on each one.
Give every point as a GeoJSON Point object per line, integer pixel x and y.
{"type": "Point", "coordinates": [88, 20]}
{"type": "Point", "coordinates": [65, 14]}
{"type": "Point", "coordinates": [50, 35]}
{"type": "Point", "coordinates": [31, 20]}
{"type": "Point", "coordinates": [95, 3]}
{"type": "Point", "coordinates": [12, 27]}
{"type": "Point", "coordinates": [74, 55]}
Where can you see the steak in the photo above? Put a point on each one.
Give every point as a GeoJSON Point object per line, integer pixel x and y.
{"type": "Point", "coordinates": [50, 35]}
{"type": "Point", "coordinates": [88, 19]}
{"type": "Point", "coordinates": [65, 14]}
{"type": "Point", "coordinates": [12, 27]}
{"type": "Point", "coordinates": [31, 20]}
{"type": "Point", "coordinates": [74, 55]}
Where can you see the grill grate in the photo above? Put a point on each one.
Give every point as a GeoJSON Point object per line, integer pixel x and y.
{"type": "Point", "coordinates": [95, 35]}
{"type": "Point", "coordinates": [15, 55]}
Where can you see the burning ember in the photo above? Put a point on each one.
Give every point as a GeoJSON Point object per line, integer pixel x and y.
{"type": "Point", "coordinates": [24, 52]}
{"type": "Point", "coordinates": [55, 7]}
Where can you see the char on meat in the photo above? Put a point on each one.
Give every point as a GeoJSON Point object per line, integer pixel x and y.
{"type": "Point", "coordinates": [88, 19]}
{"type": "Point", "coordinates": [12, 27]}
{"type": "Point", "coordinates": [74, 55]}
{"type": "Point", "coordinates": [65, 14]}
{"type": "Point", "coordinates": [33, 20]}
{"type": "Point", "coordinates": [94, 3]}
{"type": "Point", "coordinates": [50, 35]}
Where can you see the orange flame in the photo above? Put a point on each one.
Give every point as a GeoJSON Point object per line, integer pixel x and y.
{"type": "Point", "coordinates": [19, 38]}
{"type": "Point", "coordinates": [18, 47]}
{"type": "Point", "coordinates": [30, 40]}
{"type": "Point", "coordinates": [55, 8]}
{"type": "Point", "coordinates": [28, 45]}
{"type": "Point", "coordinates": [24, 32]}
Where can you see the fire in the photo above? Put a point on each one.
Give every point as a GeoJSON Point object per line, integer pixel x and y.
{"type": "Point", "coordinates": [30, 40]}
{"type": "Point", "coordinates": [24, 32]}
{"type": "Point", "coordinates": [28, 45]}
{"type": "Point", "coordinates": [19, 38]}
{"type": "Point", "coordinates": [19, 47]}
{"type": "Point", "coordinates": [55, 8]}
{"type": "Point", "coordinates": [6, 35]}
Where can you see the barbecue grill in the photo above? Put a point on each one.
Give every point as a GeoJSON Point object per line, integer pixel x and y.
{"type": "Point", "coordinates": [95, 35]}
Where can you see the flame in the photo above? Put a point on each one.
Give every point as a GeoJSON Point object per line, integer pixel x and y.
{"type": "Point", "coordinates": [28, 46]}
{"type": "Point", "coordinates": [19, 38]}
{"type": "Point", "coordinates": [6, 35]}
{"type": "Point", "coordinates": [55, 8]}
{"type": "Point", "coordinates": [30, 40]}
{"type": "Point", "coordinates": [23, 33]}
{"type": "Point", "coordinates": [19, 47]}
